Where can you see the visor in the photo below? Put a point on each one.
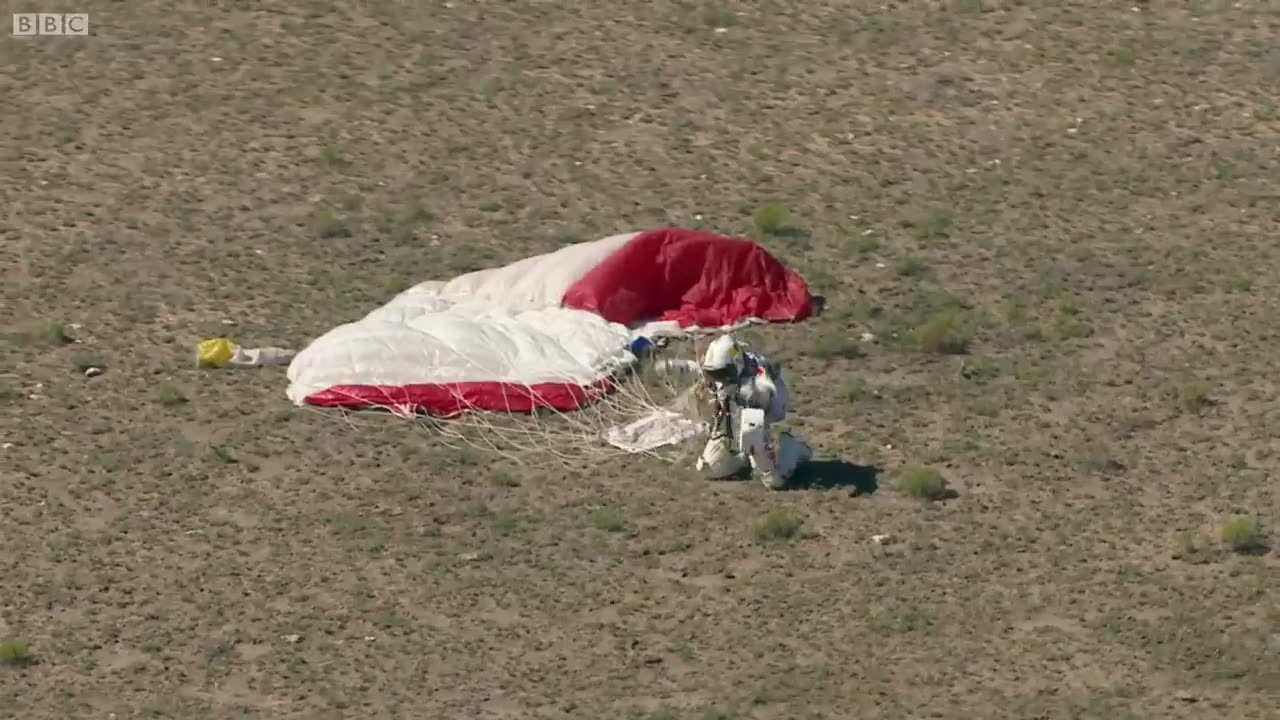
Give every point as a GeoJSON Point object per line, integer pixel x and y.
{"type": "Point", "coordinates": [726, 374]}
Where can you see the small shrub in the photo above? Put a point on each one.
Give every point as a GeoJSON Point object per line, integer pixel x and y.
{"type": "Point", "coordinates": [84, 361]}
{"type": "Point", "coordinates": [505, 523]}
{"type": "Point", "coordinates": [1194, 547]}
{"type": "Point", "coordinates": [16, 654]}
{"type": "Point", "coordinates": [1242, 535]}
{"type": "Point", "coordinates": [55, 334]}
{"type": "Point", "coordinates": [854, 390]}
{"type": "Point", "coordinates": [1072, 327]}
{"type": "Point", "coordinates": [910, 267]}
{"type": "Point", "coordinates": [943, 335]}
{"type": "Point", "coordinates": [864, 244]}
{"type": "Point", "coordinates": [171, 397]}
{"type": "Point", "coordinates": [1193, 397]}
{"type": "Point", "coordinates": [770, 218]}
{"type": "Point", "coordinates": [609, 519]}
{"type": "Point", "coordinates": [988, 406]}
{"type": "Point", "coordinates": [1032, 333]}
{"type": "Point", "coordinates": [224, 455]}
{"type": "Point", "coordinates": [932, 226]}
{"type": "Point", "coordinates": [329, 226]}
{"type": "Point", "coordinates": [838, 345]}
{"type": "Point", "coordinates": [331, 158]}
{"type": "Point", "coordinates": [924, 483]}
{"type": "Point", "coordinates": [503, 478]}
{"type": "Point", "coordinates": [777, 525]}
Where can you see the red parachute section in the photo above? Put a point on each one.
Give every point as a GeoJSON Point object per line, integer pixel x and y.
{"type": "Point", "coordinates": [695, 278]}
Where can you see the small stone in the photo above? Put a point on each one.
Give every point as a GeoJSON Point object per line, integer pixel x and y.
{"type": "Point", "coordinates": [291, 638]}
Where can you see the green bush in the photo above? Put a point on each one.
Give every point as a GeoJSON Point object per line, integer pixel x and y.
{"type": "Point", "coordinates": [777, 525]}
{"type": "Point", "coordinates": [924, 483]}
{"type": "Point", "coordinates": [17, 654]}
{"type": "Point", "coordinates": [770, 219]}
{"type": "Point", "coordinates": [1242, 535]}
{"type": "Point", "coordinates": [943, 335]}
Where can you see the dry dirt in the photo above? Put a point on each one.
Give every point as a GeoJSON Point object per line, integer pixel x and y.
{"type": "Point", "coordinates": [1085, 192]}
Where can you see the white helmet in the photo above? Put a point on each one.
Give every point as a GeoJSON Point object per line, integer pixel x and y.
{"type": "Point", "coordinates": [722, 361]}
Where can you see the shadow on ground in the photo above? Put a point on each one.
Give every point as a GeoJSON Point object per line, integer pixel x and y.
{"type": "Point", "coordinates": [1255, 551]}
{"type": "Point", "coordinates": [836, 474]}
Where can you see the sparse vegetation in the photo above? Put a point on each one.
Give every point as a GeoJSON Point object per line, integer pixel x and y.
{"type": "Point", "coordinates": [505, 523]}
{"type": "Point", "coordinates": [1192, 397]}
{"type": "Point", "coordinates": [838, 345]}
{"type": "Point", "coordinates": [864, 244]}
{"type": "Point", "coordinates": [910, 267]}
{"type": "Point", "coordinates": [1194, 547]}
{"type": "Point", "coordinates": [171, 397]}
{"type": "Point", "coordinates": [331, 158]}
{"type": "Point", "coordinates": [770, 219]}
{"type": "Point", "coordinates": [16, 654]}
{"type": "Point", "coordinates": [924, 483]}
{"type": "Point", "coordinates": [224, 455]}
{"type": "Point", "coordinates": [502, 478]}
{"type": "Point", "coordinates": [855, 390]}
{"type": "Point", "coordinates": [933, 225]}
{"type": "Point", "coordinates": [943, 335]}
{"type": "Point", "coordinates": [328, 225]}
{"type": "Point", "coordinates": [778, 525]}
{"type": "Point", "coordinates": [609, 519]}
{"type": "Point", "coordinates": [84, 361]}
{"type": "Point", "coordinates": [1242, 535]}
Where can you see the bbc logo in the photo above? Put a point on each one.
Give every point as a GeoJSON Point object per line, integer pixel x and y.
{"type": "Point", "coordinates": [50, 23]}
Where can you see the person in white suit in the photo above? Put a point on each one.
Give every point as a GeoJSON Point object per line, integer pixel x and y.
{"type": "Point", "coordinates": [750, 396]}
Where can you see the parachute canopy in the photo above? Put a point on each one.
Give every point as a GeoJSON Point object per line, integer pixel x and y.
{"type": "Point", "coordinates": [548, 331]}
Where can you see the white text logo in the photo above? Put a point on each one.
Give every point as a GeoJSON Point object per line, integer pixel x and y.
{"type": "Point", "coordinates": [50, 23]}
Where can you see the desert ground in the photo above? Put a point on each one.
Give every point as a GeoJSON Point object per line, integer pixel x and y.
{"type": "Point", "coordinates": [1057, 220]}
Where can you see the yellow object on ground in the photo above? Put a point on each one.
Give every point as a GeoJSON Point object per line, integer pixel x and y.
{"type": "Point", "coordinates": [214, 353]}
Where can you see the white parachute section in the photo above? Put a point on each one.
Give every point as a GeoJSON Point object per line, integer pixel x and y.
{"type": "Point", "coordinates": [653, 407]}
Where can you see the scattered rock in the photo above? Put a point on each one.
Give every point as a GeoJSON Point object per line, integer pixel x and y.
{"type": "Point", "coordinates": [291, 638]}
{"type": "Point", "coordinates": [881, 539]}
{"type": "Point", "coordinates": [93, 371]}
{"type": "Point", "coordinates": [1186, 696]}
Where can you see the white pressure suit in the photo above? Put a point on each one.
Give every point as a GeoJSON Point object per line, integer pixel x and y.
{"type": "Point", "coordinates": [750, 396]}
